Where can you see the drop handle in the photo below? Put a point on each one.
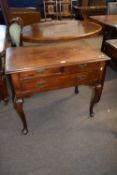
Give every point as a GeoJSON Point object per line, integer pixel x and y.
{"type": "Point", "coordinates": [41, 71]}
{"type": "Point", "coordinates": [82, 66]}
{"type": "Point", "coordinates": [41, 84]}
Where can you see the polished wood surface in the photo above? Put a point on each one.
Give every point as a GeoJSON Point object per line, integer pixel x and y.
{"type": "Point", "coordinates": [21, 59]}
{"type": "Point", "coordinates": [3, 85]}
{"type": "Point", "coordinates": [85, 8]}
{"type": "Point", "coordinates": [29, 16]}
{"type": "Point", "coordinates": [63, 30]}
{"type": "Point", "coordinates": [110, 20]}
{"type": "Point", "coordinates": [38, 69]}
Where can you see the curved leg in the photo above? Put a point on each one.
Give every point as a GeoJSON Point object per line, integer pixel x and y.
{"type": "Point", "coordinates": [76, 90]}
{"type": "Point", "coordinates": [18, 104]}
{"type": "Point", "coordinates": [95, 98]}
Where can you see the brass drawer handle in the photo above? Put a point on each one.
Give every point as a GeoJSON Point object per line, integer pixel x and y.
{"type": "Point", "coordinates": [41, 84]}
{"type": "Point", "coordinates": [41, 71]}
{"type": "Point", "coordinates": [82, 66]}
{"type": "Point", "coordinates": [81, 77]}
{"type": "Point", "coordinates": [53, 74]}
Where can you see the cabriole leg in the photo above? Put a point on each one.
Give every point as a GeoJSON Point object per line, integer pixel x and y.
{"type": "Point", "coordinates": [18, 104]}
{"type": "Point", "coordinates": [95, 98]}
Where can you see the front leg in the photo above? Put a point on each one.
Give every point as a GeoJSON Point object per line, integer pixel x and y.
{"type": "Point", "coordinates": [18, 104]}
{"type": "Point", "coordinates": [95, 98]}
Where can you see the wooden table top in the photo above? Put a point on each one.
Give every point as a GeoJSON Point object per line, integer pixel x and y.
{"type": "Point", "coordinates": [2, 37]}
{"type": "Point", "coordinates": [63, 30]}
{"type": "Point", "coordinates": [110, 20]}
{"type": "Point", "coordinates": [33, 58]}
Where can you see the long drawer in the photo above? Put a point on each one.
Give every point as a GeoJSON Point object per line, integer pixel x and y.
{"type": "Point", "coordinates": [59, 70]}
{"type": "Point", "coordinates": [61, 81]}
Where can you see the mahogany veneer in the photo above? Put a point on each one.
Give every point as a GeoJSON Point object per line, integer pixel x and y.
{"type": "Point", "coordinates": [57, 31]}
{"type": "Point", "coordinates": [38, 69]}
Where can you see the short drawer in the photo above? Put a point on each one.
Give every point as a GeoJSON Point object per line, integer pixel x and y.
{"type": "Point", "coordinates": [82, 67]}
{"type": "Point", "coordinates": [48, 83]}
{"type": "Point", "coordinates": [59, 70]}
{"type": "Point", "coordinates": [41, 73]}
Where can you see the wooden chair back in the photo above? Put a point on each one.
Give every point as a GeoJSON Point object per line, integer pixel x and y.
{"type": "Point", "coordinates": [112, 8]}
{"type": "Point", "coordinates": [65, 8]}
{"type": "Point", "coordinates": [57, 8]}
{"type": "Point", "coordinates": [50, 9]}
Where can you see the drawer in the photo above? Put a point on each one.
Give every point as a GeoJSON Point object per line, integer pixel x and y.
{"type": "Point", "coordinates": [59, 70]}
{"type": "Point", "coordinates": [40, 73]}
{"type": "Point", "coordinates": [50, 83]}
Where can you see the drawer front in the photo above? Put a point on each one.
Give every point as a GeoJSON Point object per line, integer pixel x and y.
{"type": "Point", "coordinates": [82, 67]}
{"type": "Point", "coordinates": [49, 83]}
{"type": "Point", "coordinates": [59, 71]}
